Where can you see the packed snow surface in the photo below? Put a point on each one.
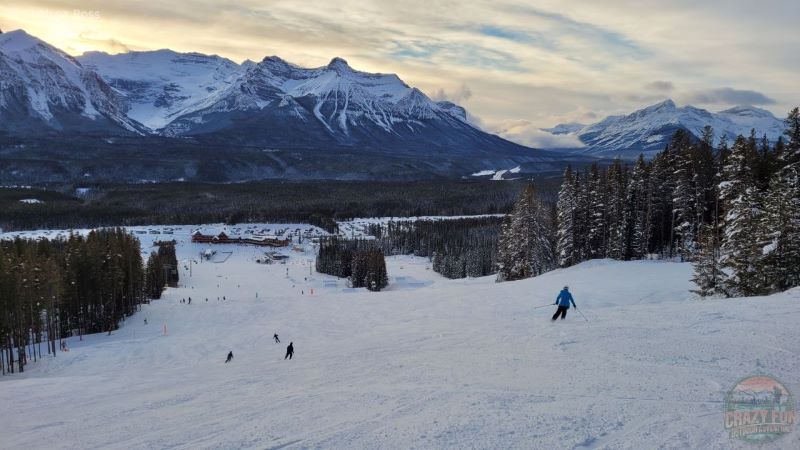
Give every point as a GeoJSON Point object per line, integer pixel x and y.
{"type": "Point", "coordinates": [427, 363]}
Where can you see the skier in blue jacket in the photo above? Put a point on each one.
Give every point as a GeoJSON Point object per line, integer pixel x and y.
{"type": "Point", "coordinates": [563, 300]}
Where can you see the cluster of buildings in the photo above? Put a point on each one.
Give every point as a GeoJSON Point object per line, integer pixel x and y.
{"type": "Point", "coordinates": [224, 238]}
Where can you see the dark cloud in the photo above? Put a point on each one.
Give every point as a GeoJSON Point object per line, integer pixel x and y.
{"type": "Point", "coordinates": [728, 95]}
{"type": "Point", "coordinates": [660, 86]}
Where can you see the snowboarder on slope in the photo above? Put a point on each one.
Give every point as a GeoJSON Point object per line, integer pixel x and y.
{"type": "Point", "coordinates": [289, 351]}
{"type": "Point", "coordinates": [563, 300]}
{"type": "Point", "coordinates": [230, 357]}
{"type": "Point", "coordinates": [277, 340]}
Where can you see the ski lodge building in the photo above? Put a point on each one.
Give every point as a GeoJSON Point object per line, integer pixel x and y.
{"type": "Point", "coordinates": [224, 238]}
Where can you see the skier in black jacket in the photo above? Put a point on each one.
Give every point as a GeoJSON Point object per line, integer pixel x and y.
{"type": "Point", "coordinates": [277, 340]}
{"type": "Point", "coordinates": [289, 351]}
{"type": "Point", "coordinates": [230, 357]}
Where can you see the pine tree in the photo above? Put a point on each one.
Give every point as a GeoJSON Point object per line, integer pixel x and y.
{"type": "Point", "coordinates": [684, 196]}
{"type": "Point", "coordinates": [658, 219]}
{"type": "Point", "coordinates": [741, 252]}
{"type": "Point", "coordinates": [636, 204]}
{"type": "Point", "coordinates": [525, 247]}
{"type": "Point", "coordinates": [708, 274]}
{"type": "Point", "coordinates": [615, 206]}
{"type": "Point", "coordinates": [780, 227]}
{"type": "Point", "coordinates": [597, 230]}
{"type": "Point", "coordinates": [566, 250]}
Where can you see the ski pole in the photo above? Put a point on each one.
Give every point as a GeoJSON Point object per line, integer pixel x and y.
{"type": "Point", "coordinates": [579, 311]}
{"type": "Point", "coordinates": [543, 306]}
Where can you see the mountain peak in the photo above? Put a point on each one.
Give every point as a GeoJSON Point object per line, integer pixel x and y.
{"type": "Point", "coordinates": [667, 104]}
{"type": "Point", "coordinates": [274, 59]}
{"type": "Point", "coordinates": [747, 110]}
{"type": "Point", "coordinates": [18, 40]}
{"type": "Point", "coordinates": [339, 64]}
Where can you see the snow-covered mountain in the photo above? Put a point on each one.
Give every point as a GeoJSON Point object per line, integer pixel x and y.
{"type": "Point", "coordinates": [270, 103]}
{"type": "Point", "coordinates": [277, 103]}
{"type": "Point", "coordinates": [160, 83]}
{"type": "Point", "coordinates": [43, 89]}
{"type": "Point", "coordinates": [272, 119]}
{"type": "Point", "coordinates": [648, 130]}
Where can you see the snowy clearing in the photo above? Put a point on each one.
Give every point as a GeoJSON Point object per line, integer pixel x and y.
{"type": "Point", "coordinates": [428, 363]}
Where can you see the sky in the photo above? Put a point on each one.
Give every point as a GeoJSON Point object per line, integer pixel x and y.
{"type": "Point", "coordinates": [516, 66]}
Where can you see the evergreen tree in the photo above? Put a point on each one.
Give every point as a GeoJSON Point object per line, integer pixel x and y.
{"type": "Point", "coordinates": [616, 220]}
{"type": "Point", "coordinates": [525, 247]}
{"type": "Point", "coordinates": [708, 274]}
{"type": "Point", "coordinates": [741, 252]}
{"type": "Point", "coordinates": [684, 196]}
{"type": "Point", "coordinates": [566, 250]}
{"type": "Point", "coordinates": [780, 228]}
{"type": "Point", "coordinates": [597, 229]}
{"type": "Point", "coordinates": [636, 204]}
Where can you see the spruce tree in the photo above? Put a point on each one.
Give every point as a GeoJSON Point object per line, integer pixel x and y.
{"type": "Point", "coordinates": [566, 250]}
{"type": "Point", "coordinates": [597, 229]}
{"type": "Point", "coordinates": [636, 204]}
{"type": "Point", "coordinates": [741, 252]}
{"type": "Point", "coordinates": [708, 274]}
{"type": "Point", "coordinates": [780, 228]}
{"type": "Point", "coordinates": [525, 247]}
{"type": "Point", "coordinates": [616, 221]}
{"type": "Point", "coordinates": [684, 197]}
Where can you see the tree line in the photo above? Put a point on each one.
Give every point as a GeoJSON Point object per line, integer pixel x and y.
{"type": "Point", "coordinates": [359, 260]}
{"type": "Point", "coordinates": [161, 269]}
{"type": "Point", "coordinates": [458, 248]}
{"type": "Point", "coordinates": [734, 211]}
{"type": "Point", "coordinates": [319, 203]}
{"type": "Point", "coordinates": [53, 289]}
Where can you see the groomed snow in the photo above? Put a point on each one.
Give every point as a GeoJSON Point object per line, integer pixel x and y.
{"type": "Point", "coordinates": [428, 363]}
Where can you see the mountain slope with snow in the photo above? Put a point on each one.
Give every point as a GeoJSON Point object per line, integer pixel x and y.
{"type": "Point", "coordinates": [160, 83]}
{"type": "Point", "coordinates": [427, 363]}
{"type": "Point", "coordinates": [210, 102]}
{"type": "Point", "coordinates": [277, 103]}
{"type": "Point", "coordinates": [43, 89]}
{"type": "Point", "coordinates": [648, 130]}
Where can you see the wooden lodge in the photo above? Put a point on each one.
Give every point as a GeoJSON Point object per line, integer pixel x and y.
{"type": "Point", "coordinates": [223, 238]}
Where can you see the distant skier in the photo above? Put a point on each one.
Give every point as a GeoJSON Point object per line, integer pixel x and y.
{"type": "Point", "coordinates": [289, 351]}
{"type": "Point", "coordinates": [230, 357]}
{"type": "Point", "coordinates": [277, 340]}
{"type": "Point", "coordinates": [145, 321]}
{"type": "Point", "coordinates": [563, 300]}
{"type": "Point", "coordinates": [190, 300]}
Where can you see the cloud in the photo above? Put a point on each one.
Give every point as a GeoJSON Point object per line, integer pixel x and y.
{"type": "Point", "coordinates": [458, 53]}
{"type": "Point", "coordinates": [110, 45]}
{"type": "Point", "coordinates": [660, 86]}
{"type": "Point", "coordinates": [526, 133]}
{"type": "Point", "coordinates": [462, 93]}
{"type": "Point", "coordinates": [517, 36]}
{"type": "Point", "coordinates": [729, 96]}
{"type": "Point", "coordinates": [595, 35]}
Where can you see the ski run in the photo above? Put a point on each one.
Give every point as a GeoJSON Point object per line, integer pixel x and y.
{"type": "Point", "coordinates": [427, 363]}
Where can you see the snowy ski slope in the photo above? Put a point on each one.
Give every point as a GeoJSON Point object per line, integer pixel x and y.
{"type": "Point", "coordinates": [428, 363]}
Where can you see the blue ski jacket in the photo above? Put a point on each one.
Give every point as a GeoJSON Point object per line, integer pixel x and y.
{"type": "Point", "coordinates": [564, 298]}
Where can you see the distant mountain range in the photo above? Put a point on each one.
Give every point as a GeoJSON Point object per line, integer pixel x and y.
{"type": "Point", "coordinates": [164, 115]}
{"type": "Point", "coordinates": [269, 119]}
{"type": "Point", "coordinates": [648, 130]}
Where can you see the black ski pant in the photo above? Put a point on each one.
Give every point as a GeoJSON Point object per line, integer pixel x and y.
{"type": "Point", "coordinates": [288, 355]}
{"type": "Point", "coordinates": [561, 311]}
